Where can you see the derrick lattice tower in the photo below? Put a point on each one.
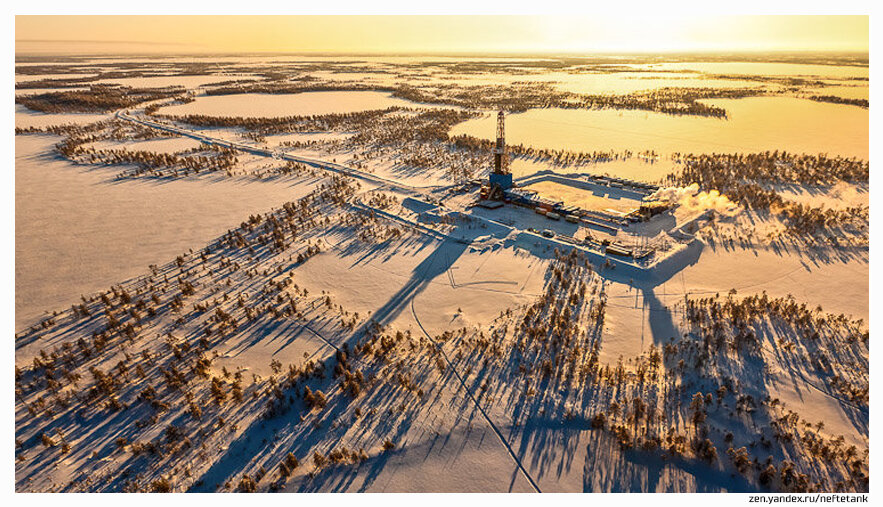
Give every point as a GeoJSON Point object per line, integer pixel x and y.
{"type": "Point", "coordinates": [500, 180]}
{"type": "Point", "coordinates": [500, 162]}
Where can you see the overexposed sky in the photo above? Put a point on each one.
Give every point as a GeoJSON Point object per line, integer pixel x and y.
{"type": "Point", "coordinates": [437, 34]}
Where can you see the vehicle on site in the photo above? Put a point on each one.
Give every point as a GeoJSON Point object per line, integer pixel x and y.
{"type": "Point", "coordinates": [548, 233]}
{"type": "Point", "coordinates": [553, 216]}
{"type": "Point", "coordinates": [618, 251]}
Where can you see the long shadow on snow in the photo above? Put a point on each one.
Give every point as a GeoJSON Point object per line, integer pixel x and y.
{"type": "Point", "coordinates": [252, 441]}
{"type": "Point", "coordinates": [437, 263]}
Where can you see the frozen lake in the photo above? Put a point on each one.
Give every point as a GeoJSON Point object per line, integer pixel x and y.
{"type": "Point", "coordinates": [754, 124]}
{"type": "Point", "coordinates": [761, 69]}
{"type": "Point", "coordinates": [25, 118]}
{"type": "Point", "coordinates": [596, 83]}
{"type": "Point", "coordinates": [185, 81]}
{"type": "Point", "coordinates": [265, 105]}
{"type": "Point", "coordinates": [78, 232]}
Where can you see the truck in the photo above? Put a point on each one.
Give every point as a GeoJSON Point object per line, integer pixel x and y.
{"type": "Point", "coordinates": [618, 251]}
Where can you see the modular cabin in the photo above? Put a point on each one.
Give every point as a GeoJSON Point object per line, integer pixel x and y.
{"type": "Point", "coordinates": [618, 251]}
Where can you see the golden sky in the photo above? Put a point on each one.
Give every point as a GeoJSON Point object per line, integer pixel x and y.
{"type": "Point", "coordinates": [436, 34]}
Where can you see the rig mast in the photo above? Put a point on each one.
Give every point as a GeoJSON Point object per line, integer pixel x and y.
{"type": "Point", "coordinates": [499, 180]}
{"type": "Point", "coordinates": [500, 165]}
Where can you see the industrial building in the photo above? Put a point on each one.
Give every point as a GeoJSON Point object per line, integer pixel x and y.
{"type": "Point", "coordinates": [500, 189]}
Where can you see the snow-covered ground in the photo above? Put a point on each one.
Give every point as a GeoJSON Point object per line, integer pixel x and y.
{"type": "Point", "coordinates": [753, 124]}
{"type": "Point", "coordinates": [281, 105]}
{"type": "Point", "coordinates": [249, 329]}
{"type": "Point", "coordinates": [168, 145]}
{"type": "Point", "coordinates": [25, 118]}
{"type": "Point", "coordinates": [840, 195]}
{"type": "Point", "coordinates": [78, 231]}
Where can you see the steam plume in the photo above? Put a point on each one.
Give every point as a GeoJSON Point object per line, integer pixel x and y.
{"type": "Point", "coordinates": [691, 198]}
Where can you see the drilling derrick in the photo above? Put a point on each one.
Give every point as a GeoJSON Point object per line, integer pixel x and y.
{"type": "Point", "coordinates": [500, 180]}
{"type": "Point", "coordinates": [500, 166]}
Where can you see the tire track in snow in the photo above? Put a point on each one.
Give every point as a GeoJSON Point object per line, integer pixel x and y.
{"type": "Point", "coordinates": [476, 403]}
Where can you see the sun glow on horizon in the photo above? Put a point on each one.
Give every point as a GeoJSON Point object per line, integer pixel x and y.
{"type": "Point", "coordinates": [437, 34]}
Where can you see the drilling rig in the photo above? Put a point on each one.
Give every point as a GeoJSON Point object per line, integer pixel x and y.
{"type": "Point", "coordinates": [500, 178]}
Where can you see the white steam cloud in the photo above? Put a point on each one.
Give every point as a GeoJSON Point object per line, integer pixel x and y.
{"type": "Point", "coordinates": [691, 198]}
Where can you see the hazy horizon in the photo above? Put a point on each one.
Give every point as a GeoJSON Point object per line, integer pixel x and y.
{"type": "Point", "coordinates": [453, 35]}
{"type": "Point", "coordinates": [464, 54]}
